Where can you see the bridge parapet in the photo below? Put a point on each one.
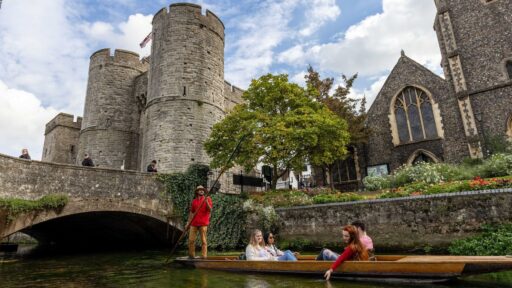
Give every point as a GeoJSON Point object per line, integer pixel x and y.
{"type": "Point", "coordinates": [27, 179]}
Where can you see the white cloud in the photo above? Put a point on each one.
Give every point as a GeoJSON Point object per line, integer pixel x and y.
{"type": "Point", "coordinates": [293, 56]}
{"type": "Point", "coordinates": [320, 12]}
{"type": "Point", "coordinates": [372, 46]}
{"type": "Point", "coordinates": [42, 53]}
{"type": "Point", "coordinates": [22, 122]}
{"type": "Point", "coordinates": [261, 34]}
{"type": "Point", "coordinates": [125, 35]}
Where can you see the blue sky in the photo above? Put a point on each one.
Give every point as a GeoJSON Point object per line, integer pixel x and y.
{"type": "Point", "coordinates": [45, 47]}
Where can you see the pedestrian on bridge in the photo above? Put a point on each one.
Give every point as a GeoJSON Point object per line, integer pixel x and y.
{"type": "Point", "coordinates": [202, 208]}
{"type": "Point", "coordinates": [24, 154]}
{"type": "Point", "coordinates": [87, 161]}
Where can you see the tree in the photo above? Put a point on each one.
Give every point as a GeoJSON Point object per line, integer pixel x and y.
{"type": "Point", "coordinates": [344, 107]}
{"type": "Point", "coordinates": [283, 127]}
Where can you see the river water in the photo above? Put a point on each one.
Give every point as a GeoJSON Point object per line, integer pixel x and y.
{"type": "Point", "coordinates": [147, 269]}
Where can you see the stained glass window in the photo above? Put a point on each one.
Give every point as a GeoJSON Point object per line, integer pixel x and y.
{"type": "Point", "coordinates": [414, 116]}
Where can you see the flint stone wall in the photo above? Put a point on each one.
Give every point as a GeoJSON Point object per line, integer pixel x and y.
{"type": "Point", "coordinates": [401, 224]}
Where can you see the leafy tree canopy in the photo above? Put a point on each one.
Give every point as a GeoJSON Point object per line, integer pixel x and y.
{"type": "Point", "coordinates": [284, 127]}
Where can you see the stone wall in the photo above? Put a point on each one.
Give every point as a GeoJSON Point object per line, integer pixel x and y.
{"type": "Point", "coordinates": [33, 179]}
{"type": "Point", "coordinates": [403, 223]}
{"type": "Point", "coordinates": [61, 139]}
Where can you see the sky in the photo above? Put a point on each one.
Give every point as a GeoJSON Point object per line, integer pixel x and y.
{"type": "Point", "coordinates": [45, 47]}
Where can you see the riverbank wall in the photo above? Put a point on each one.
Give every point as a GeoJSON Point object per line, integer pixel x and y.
{"type": "Point", "coordinates": [409, 224]}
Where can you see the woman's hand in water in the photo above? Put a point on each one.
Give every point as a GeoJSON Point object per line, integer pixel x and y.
{"type": "Point", "coordinates": [327, 274]}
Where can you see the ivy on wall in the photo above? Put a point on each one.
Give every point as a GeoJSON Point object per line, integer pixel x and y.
{"type": "Point", "coordinates": [227, 223]}
{"type": "Point", "coordinates": [13, 207]}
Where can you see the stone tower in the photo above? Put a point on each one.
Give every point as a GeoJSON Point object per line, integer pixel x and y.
{"type": "Point", "coordinates": [475, 37]}
{"type": "Point", "coordinates": [185, 88]}
{"type": "Point", "coordinates": [61, 139]}
{"type": "Point", "coordinates": [110, 127]}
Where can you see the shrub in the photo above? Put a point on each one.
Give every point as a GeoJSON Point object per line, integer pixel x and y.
{"type": "Point", "coordinates": [283, 198]}
{"type": "Point", "coordinates": [374, 183]}
{"type": "Point", "coordinates": [497, 165]}
{"type": "Point", "coordinates": [15, 206]}
{"type": "Point", "coordinates": [392, 194]}
{"type": "Point", "coordinates": [492, 241]}
{"type": "Point", "coordinates": [337, 197]}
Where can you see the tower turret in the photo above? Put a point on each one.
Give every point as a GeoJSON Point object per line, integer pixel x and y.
{"type": "Point", "coordinates": [185, 89]}
{"type": "Point", "coordinates": [110, 127]}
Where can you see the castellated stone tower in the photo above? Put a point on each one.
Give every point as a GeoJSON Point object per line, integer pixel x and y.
{"type": "Point", "coordinates": [61, 139]}
{"type": "Point", "coordinates": [186, 86]}
{"type": "Point", "coordinates": [110, 127]}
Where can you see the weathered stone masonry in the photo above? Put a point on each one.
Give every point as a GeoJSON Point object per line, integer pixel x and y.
{"type": "Point", "coordinates": [402, 223]}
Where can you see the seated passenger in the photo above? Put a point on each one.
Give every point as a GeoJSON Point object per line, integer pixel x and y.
{"type": "Point", "coordinates": [353, 251]}
{"type": "Point", "coordinates": [365, 239]}
{"type": "Point", "coordinates": [272, 249]}
{"type": "Point", "coordinates": [255, 251]}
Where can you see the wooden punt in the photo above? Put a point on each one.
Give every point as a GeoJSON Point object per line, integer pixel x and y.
{"type": "Point", "coordinates": [388, 268]}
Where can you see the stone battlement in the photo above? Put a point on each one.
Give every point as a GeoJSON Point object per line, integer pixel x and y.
{"type": "Point", "coordinates": [121, 58]}
{"type": "Point", "coordinates": [191, 12]}
{"type": "Point", "coordinates": [63, 119]}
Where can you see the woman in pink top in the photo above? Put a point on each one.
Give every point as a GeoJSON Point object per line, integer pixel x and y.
{"type": "Point", "coordinates": [365, 239]}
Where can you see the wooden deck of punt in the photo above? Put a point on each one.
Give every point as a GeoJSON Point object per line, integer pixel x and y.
{"type": "Point", "coordinates": [390, 267]}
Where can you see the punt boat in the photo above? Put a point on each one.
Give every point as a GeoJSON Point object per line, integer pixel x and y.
{"type": "Point", "coordinates": [388, 268]}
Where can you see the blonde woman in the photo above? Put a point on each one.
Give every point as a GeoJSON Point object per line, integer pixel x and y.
{"type": "Point", "coordinates": [255, 251]}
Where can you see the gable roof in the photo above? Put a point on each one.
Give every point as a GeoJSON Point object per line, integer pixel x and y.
{"type": "Point", "coordinates": [404, 60]}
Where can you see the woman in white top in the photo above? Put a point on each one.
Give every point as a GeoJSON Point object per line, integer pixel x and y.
{"type": "Point", "coordinates": [255, 251]}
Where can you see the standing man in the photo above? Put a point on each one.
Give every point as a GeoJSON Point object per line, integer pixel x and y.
{"type": "Point", "coordinates": [199, 223]}
{"type": "Point", "coordinates": [87, 161]}
{"type": "Point", "coordinates": [152, 167]}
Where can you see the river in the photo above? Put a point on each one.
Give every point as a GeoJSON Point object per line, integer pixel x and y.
{"type": "Point", "coordinates": [147, 269]}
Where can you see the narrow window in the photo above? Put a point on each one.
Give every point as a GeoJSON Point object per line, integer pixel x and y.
{"type": "Point", "coordinates": [509, 69]}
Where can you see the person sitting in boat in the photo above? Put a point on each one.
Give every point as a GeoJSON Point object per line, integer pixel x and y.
{"type": "Point", "coordinates": [353, 251]}
{"type": "Point", "coordinates": [365, 239]}
{"type": "Point", "coordinates": [271, 248]}
{"type": "Point", "coordinates": [256, 251]}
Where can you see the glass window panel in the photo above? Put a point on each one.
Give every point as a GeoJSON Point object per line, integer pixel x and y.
{"type": "Point", "coordinates": [401, 125]}
{"type": "Point", "coordinates": [428, 120]}
{"type": "Point", "coordinates": [414, 121]}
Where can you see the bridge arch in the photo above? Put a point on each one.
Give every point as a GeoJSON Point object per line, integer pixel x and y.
{"type": "Point", "coordinates": [105, 207]}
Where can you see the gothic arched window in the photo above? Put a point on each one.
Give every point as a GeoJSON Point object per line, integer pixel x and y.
{"type": "Point", "coordinates": [414, 115]}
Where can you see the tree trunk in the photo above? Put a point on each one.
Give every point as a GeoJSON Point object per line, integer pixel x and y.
{"type": "Point", "coordinates": [331, 180]}
{"type": "Point", "coordinates": [275, 177]}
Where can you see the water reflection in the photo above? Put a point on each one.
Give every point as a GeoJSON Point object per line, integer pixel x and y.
{"type": "Point", "coordinates": [147, 269]}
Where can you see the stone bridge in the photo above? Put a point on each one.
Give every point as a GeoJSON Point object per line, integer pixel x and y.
{"type": "Point", "coordinates": [106, 207]}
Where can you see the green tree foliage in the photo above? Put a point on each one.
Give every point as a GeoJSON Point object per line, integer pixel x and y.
{"type": "Point", "coordinates": [352, 111]}
{"type": "Point", "coordinates": [284, 127]}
